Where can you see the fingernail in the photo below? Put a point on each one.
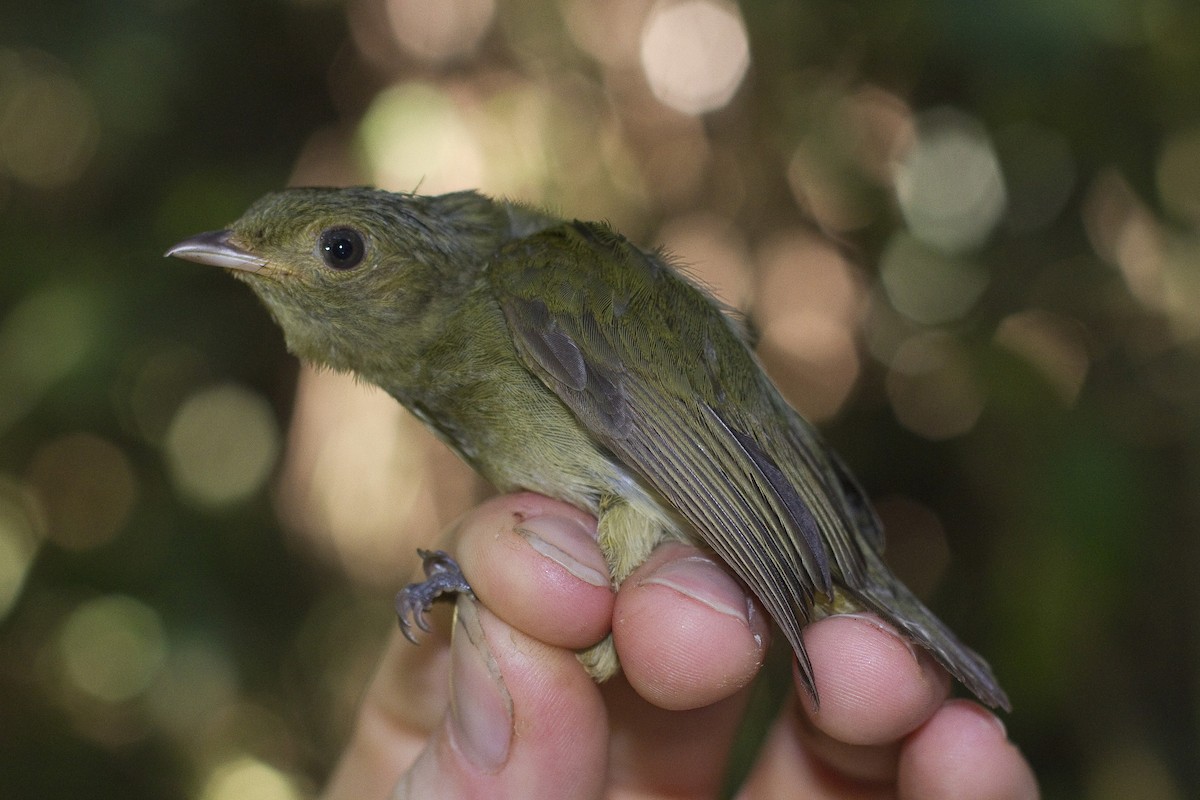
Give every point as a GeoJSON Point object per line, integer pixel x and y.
{"type": "Point", "coordinates": [879, 625]}
{"type": "Point", "coordinates": [481, 709]}
{"type": "Point", "coordinates": [702, 580]}
{"type": "Point", "coordinates": [985, 714]}
{"type": "Point", "coordinates": [999, 723]}
{"type": "Point", "coordinates": [568, 543]}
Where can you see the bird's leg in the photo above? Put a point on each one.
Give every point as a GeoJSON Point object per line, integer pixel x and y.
{"type": "Point", "coordinates": [443, 578]}
{"type": "Point", "coordinates": [626, 536]}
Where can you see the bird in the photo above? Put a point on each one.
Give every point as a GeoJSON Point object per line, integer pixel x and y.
{"type": "Point", "coordinates": [556, 356]}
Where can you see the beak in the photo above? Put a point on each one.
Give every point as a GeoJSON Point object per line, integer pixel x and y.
{"type": "Point", "coordinates": [215, 249]}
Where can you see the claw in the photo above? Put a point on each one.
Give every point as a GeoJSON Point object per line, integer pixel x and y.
{"type": "Point", "coordinates": [443, 577]}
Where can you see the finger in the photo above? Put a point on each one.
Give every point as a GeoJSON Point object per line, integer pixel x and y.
{"type": "Point", "coordinates": [409, 693]}
{"type": "Point", "coordinates": [689, 640]}
{"type": "Point", "coordinates": [535, 563]}
{"type": "Point", "coordinates": [404, 701]}
{"type": "Point", "coordinates": [525, 720]}
{"type": "Point", "coordinates": [875, 688]}
{"type": "Point", "coordinates": [963, 751]}
{"type": "Point", "coordinates": [497, 545]}
{"type": "Point", "coordinates": [686, 632]}
{"type": "Point", "coordinates": [786, 768]}
{"type": "Point", "coordinates": [655, 752]}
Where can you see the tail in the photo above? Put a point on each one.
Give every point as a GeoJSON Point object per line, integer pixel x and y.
{"type": "Point", "coordinates": [891, 600]}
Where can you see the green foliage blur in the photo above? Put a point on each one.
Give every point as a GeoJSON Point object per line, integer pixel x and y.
{"type": "Point", "coordinates": [969, 234]}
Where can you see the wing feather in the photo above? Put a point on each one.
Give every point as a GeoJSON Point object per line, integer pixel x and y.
{"type": "Point", "coordinates": [658, 375]}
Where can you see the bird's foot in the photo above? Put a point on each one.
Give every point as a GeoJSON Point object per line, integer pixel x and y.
{"type": "Point", "coordinates": [443, 577]}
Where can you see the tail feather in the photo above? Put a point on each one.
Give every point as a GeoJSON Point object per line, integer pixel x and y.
{"type": "Point", "coordinates": [891, 600]}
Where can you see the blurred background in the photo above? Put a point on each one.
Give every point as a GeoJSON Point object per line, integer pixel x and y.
{"type": "Point", "coordinates": [967, 232]}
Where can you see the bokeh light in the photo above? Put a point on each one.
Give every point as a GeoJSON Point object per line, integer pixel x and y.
{"type": "Point", "coordinates": [809, 303]}
{"type": "Point", "coordinates": [21, 533]}
{"type": "Point", "coordinates": [1132, 769]}
{"type": "Point", "coordinates": [42, 339]}
{"type": "Point", "coordinates": [819, 185]}
{"type": "Point", "coordinates": [1055, 346]}
{"type": "Point", "coordinates": [676, 162]}
{"type": "Point", "coordinates": [439, 30]}
{"type": "Point", "coordinates": [86, 486]}
{"type": "Point", "coordinates": [247, 777]}
{"type": "Point", "coordinates": [197, 677]}
{"type": "Point", "coordinates": [927, 285]}
{"type": "Point", "coordinates": [949, 184]}
{"type": "Point", "coordinates": [1157, 264]}
{"type": "Point", "coordinates": [222, 445]}
{"type": "Point", "coordinates": [695, 53]}
{"type": "Point", "coordinates": [112, 647]}
{"type": "Point", "coordinates": [814, 359]}
{"type": "Point", "coordinates": [608, 32]}
{"type": "Point", "coordinates": [1178, 175]}
{"type": "Point", "coordinates": [917, 546]}
{"type": "Point", "coordinates": [851, 148]}
{"type": "Point", "coordinates": [160, 377]}
{"type": "Point", "coordinates": [709, 250]}
{"type": "Point", "coordinates": [932, 388]}
{"type": "Point", "coordinates": [48, 127]}
{"type": "Point", "coordinates": [414, 136]}
{"type": "Point", "coordinates": [1039, 175]}
{"type": "Point", "coordinates": [245, 729]}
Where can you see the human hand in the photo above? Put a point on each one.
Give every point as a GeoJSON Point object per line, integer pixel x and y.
{"type": "Point", "coordinates": [504, 709]}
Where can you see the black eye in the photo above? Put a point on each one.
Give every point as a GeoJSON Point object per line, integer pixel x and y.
{"type": "Point", "coordinates": [341, 248]}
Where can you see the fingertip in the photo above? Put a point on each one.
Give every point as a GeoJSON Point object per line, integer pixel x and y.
{"type": "Point", "coordinates": [687, 633]}
{"type": "Point", "coordinates": [963, 751]}
{"type": "Point", "coordinates": [874, 685]}
{"type": "Point", "coordinates": [535, 563]}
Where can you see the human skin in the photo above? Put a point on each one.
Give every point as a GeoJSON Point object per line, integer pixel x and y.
{"type": "Point", "coordinates": [495, 704]}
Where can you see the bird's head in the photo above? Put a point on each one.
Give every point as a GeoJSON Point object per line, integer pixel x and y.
{"type": "Point", "coordinates": [356, 274]}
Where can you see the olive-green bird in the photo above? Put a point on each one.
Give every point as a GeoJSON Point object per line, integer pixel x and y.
{"type": "Point", "coordinates": [560, 358]}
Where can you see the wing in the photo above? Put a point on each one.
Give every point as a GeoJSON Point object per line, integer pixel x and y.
{"type": "Point", "coordinates": [660, 376]}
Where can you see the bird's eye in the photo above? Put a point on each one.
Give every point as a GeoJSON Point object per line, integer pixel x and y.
{"type": "Point", "coordinates": [341, 248]}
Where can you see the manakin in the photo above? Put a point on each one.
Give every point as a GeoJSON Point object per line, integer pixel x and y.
{"type": "Point", "coordinates": [558, 357]}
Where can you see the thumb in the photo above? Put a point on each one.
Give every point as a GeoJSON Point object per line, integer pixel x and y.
{"type": "Point", "coordinates": [524, 719]}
